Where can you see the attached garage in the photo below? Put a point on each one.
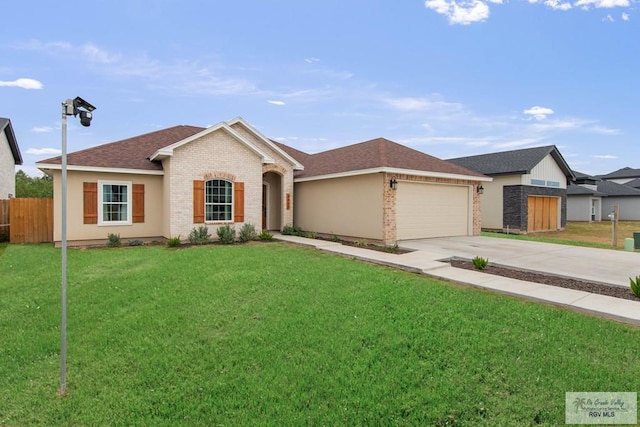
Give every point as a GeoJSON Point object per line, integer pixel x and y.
{"type": "Point", "coordinates": [425, 210]}
{"type": "Point", "coordinates": [542, 213]}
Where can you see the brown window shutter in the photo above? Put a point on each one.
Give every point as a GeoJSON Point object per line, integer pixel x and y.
{"type": "Point", "coordinates": [90, 213]}
{"type": "Point", "coordinates": [198, 202]}
{"type": "Point", "coordinates": [238, 202]}
{"type": "Point", "coordinates": [138, 202]}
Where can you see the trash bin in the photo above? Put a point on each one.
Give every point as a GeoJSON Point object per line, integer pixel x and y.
{"type": "Point", "coordinates": [636, 239]}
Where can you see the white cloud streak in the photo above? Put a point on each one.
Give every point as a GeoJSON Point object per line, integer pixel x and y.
{"type": "Point", "coordinates": [42, 129]}
{"type": "Point", "coordinates": [539, 113]}
{"type": "Point", "coordinates": [41, 151]}
{"type": "Point", "coordinates": [276, 102]}
{"type": "Point", "coordinates": [466, 12]}
{"type": "Point", "coordinates": [604, 156]}
{"type": "Point", "coordinates": [23, 83]}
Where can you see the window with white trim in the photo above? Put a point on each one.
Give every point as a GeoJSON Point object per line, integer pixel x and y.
{"type": "Point", "coordinates": [218, 200]}
{"type": "Point", "coordinates": [114, 202]}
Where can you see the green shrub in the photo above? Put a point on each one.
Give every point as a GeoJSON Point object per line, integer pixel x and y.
{"type": "Point", "coordinates": [199, 236]}
{"type": "Point", "coordinates": [173, 242]}
{"type": "Point", "coordinates": [335, 238]}
{"type": "Point", "coordinates": [226, 234]}
{"type": "Point", "coordinates": [392, 249]}
{"type": "Point", "coordinates": [135, 242]}
{"type": "Point", "coordinates": [480, 263]}
{"type": "Point", "coordinates": [362, 243]}
{"type": "Point", "coordinates": [247, 233]}
{"type": "Point", "coordinates": [292, 230]}
{"type": "Point", "coordinates": [113, 240]}
{"type": "Point", "coordinates": [311, 235]}
{"type": "Point", "coordinates": [265, 235]}
{"type": "Point", "coordinates": [635, 286]}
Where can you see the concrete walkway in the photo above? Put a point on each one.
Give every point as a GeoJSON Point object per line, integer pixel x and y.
{"type": "Point", "coordinates": [595, 265]}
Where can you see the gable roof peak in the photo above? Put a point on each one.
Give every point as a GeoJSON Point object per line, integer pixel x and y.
{"type": "Point", "coordinates": [5, 126]}
{"type": "Point", "coordinates": [520, 161]}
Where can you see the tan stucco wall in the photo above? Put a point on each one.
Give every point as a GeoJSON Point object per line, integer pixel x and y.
{"type": "Point", "coordinates": [216, 154]}
{"type": "Point", "coordinates": [77, 230]}
{"type": "Point", "coordinates": [350, 206]}
{"type": "Point", "coordinates": [491, 200]}
{"type": "Point", "coordinates": [7, 169]}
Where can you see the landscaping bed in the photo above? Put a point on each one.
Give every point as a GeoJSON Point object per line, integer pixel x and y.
{"type": "Point", "coordinates": [549, 279]}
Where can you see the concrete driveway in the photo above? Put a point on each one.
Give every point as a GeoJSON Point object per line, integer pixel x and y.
{"type": "Point", "coordinates": [599, 265]}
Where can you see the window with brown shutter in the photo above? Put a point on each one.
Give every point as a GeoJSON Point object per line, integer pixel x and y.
{"type": "Point", "coordinates": [198, 202]}
{"type": "Point", "coordinates": [138, 202]}
{"type": "Point", "coordinates": [90, 202]}
{"type": "Point", "coordinates": [238, 202]}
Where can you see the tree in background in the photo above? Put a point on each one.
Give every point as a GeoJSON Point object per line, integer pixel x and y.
{"type": "Point", "coordinates": [27, 186]}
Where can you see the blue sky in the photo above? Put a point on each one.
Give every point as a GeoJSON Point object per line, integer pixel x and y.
{"type": "Point", "coordinates": [449, 78]}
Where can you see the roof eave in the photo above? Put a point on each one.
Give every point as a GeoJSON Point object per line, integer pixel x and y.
{"type": "Point", "coordinates": [44, 167]}
{"type": "Point", "coordinates": [13, 143]}
{"type": "Point", "coordinates": [394, 171]}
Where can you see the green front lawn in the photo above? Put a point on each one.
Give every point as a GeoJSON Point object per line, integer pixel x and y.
{"type": "Point", "coordinates": [273, 334]}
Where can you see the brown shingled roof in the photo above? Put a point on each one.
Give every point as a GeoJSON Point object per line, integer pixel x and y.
{"type": "Point", "coordinates": [131, 153]}
{"type": "Point", "coordinates": [377, 153]}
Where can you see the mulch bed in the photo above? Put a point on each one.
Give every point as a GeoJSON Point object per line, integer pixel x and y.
{"type": "Point", "coordinates": [550, 279]}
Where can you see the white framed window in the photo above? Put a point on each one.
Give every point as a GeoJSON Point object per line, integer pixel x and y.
{"type": "Point", "coordinates": [114, 203]}
{"type": "Point", "coordinates": [218, 200]}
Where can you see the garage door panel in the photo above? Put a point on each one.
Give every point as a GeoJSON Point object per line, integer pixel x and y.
{"type": "Point", "coordinates": [431, 210]}
{"type": "Point", "coordinates": [542, 213]}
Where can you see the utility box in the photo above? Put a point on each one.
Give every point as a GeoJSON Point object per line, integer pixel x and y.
{"type": "Point", "coordinates": [636, 239]}
{"type": "Point", "coordinates": [629, 244]}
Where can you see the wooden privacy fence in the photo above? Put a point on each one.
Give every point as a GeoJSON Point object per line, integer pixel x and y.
{"type": "Point", "coordinates": [30, 220]}
{"type": "Point", "coordinates": [4, 220]}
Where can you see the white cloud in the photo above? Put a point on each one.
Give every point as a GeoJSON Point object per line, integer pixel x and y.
{"type": "Point", "coordinates": [553, 4]}
{"type": "Point", "coordinates": [604, 156]}
{"type": "Point", "coordinates": [525, 142]}
{"type": "Point", "coordinates": [625, 16]}
{"type": "Point", "coordinates": [607, 18]}
{"type": "Point", "coordinates": [41, 129]}
{"type": "Point", "coordinates": [23, 83]}
{"type": "Point", "coordinates": [539, 113]}
{"type": "Point", "coordinates": [604, 130]}
{"type": "Point", "coordinates": [311, 60]}
{"type": "Point", "coordinates": [422, 104]}
{"type": "Point", "coordinates": [464, 12]}
{"type": "Point", "coordinates": [41, 151]}
{"type": "Point", "coordinates": [276, 102]}
{"type": "Point", "coordinates": [601, 4]}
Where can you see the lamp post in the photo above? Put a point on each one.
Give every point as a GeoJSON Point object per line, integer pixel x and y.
{"type": "Point", "coordinates": [69, 107]}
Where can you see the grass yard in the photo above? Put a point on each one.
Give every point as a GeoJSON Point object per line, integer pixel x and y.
{"type": "Point", "coordinates": [273, 334]}
{"type": "Point", "coordinates": [596, 234]}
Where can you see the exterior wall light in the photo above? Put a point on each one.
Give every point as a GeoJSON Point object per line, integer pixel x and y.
{"type": "Point", "coordinates": [480, 189]}
{"type": "Point", "coordinates": [393, 184]}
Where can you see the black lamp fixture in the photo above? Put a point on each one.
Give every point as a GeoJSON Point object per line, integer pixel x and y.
{"type": "Point", "coordinates": [393, 184]}
{"type": "Point", "coordinates": [480, 189]}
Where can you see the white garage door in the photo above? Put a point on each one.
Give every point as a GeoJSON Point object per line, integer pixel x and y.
{"type": "Point", "coordinates": [431, 210]}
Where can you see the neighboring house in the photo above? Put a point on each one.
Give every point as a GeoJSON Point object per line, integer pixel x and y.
{"type": "Point", "coordinates": [165, 183]}
{"type": "Point", "coordinates": [528, 192]}
{"type": "Point", "coordinates": [584, 200]}
{"type": "Point", "coordinates": [9, 158]}
{"type": "Point", "coordinates": [593, 198]}
{"type": "Point", "coordinates": [622, 176]}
